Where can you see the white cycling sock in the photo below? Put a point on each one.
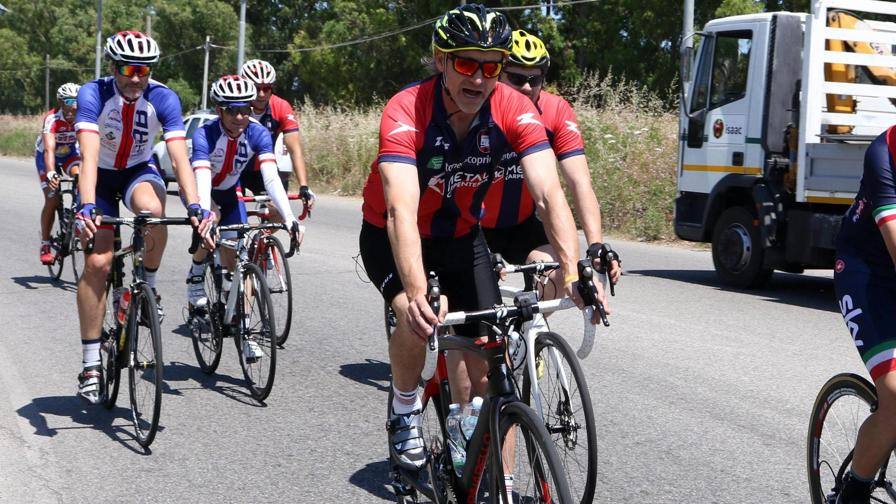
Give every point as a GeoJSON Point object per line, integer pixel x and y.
{"type": "Point", "coordinates": [150, 277]}
{"type": "Point", "coordinates": [405, 402]}
{"type": "Point", "coordinates": [90, 351]}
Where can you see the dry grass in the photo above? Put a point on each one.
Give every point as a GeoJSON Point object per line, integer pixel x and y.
{"type": "Point", "coordinates": [17, 135]}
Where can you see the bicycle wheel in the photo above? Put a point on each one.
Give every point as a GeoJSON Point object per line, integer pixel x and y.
{"type": "Point", "coordinates": [73, 245]}
{"type": "Point", "coordinates": [567, 411]}
{"type": "Point", "coordinates": [527, 455]}
{"type": "Point", "coordinates": [256, 328]}
{"type": "Point", "coordinates": [272, 261]}
{"type": "Point", "coordinates": [145, 364]}
{"type": "Point", "coordinates": [57, 245]}
{"type": "Point", "coordinates": [109, 354]}
{"type": "Point", "coordinates": [206, 329]}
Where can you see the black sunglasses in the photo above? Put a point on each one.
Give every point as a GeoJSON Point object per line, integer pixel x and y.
{"type": "Point", "coordinates": [233, 110]}
{"type": "Point", "coordinates": [520, 80]}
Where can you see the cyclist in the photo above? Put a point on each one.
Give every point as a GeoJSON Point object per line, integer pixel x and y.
{"type": "Point", "coordinates": [865, 284]}
{"type": "Point", "coordinates": [511, 226]}
{"type": "Point", "coordinates": [118, 116]}
{"type": "Point", "coordinates": [277, 115]}
{"type": "Point", "coordinates": [222, 148]}
{"type": "Point", "coordinates": [440, 141]}
{"type": "Point", "coordinates": [55, 152]}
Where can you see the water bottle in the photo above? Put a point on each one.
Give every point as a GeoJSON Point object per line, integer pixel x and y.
{"type": "Point", "coordinates": [456, 444]}
{"type": "Point", "coordinates": [470, 417]}
{"type": "Point", "coordinates": [123, 300]}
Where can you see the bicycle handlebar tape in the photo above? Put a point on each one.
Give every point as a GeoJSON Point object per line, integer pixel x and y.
{"type": "Point", "coordinates": [195, 241]}
{"type": "Point", "coordinates": [588, 290]}
{"type": "Point", "coordinates": [433, 296]}
{"type": "Point", "coordinates": [498, 263]}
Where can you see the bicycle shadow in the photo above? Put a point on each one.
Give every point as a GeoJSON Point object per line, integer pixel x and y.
{"type": "Point", "coordinates": [787, 288]}
{"type": "Point", "coordinates": [374, 478]}
{"type": "Point", "coordinates": [228, 386]}
{"type": "Point", "coordinates": [34, 282]}
{"type": "Point", "coordinates": [86, 416]}
{"type": "Point", "coordinates": [372, 372]}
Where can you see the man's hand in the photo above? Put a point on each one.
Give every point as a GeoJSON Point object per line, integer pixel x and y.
{"type": "Point", "coordinates": [420, 315]}
{"type": "Point", "coordinates": [86, 222]}
{"type": "Point", "coordinates": [297, 232]}
{"type": "Point", "coordinates": [307, 196]}
{"type": "Point", "coordinates": [52, 181]}
{"type": "Point", "coordinates": [202, 220]}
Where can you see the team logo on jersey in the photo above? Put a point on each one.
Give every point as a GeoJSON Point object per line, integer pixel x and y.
{"type": "Point", "coordinates": [839, 266]}
{"type": "Point", "coordinates": [528, 118]}
{"type": "Point", "coordinates": [718, 128]}
{"type": "Point", "coordinates": [435, 162]}
{"type": "Point", "coordinates": [439, 142]}
{"type": "Point", "coordinates": [114, 116]}
{"type": "Point", "coordinates": [483, 141]}
{"type": "Point", "coordinates": [859, 206]}
{"type": "Point", "coordinates": [402, 127]}
{"type": "Point", "coordinates": [849, 311]}
{"type": "Point", "coordinates": [571, 126]}
{"type": "Point", "coordinates": [110, 136]}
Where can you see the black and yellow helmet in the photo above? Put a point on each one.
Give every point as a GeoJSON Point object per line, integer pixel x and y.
{"type": "Point", "coordinates": [472, 26]}
{"type": "Point", "coordinates": [528, 50]}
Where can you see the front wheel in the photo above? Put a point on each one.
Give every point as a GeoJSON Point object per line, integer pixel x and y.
{"type": "Point", "coordinates": [76, 254]}
{"type": "Point", "coordinates": [737, 251]}
{"type": "Point", "coordinates": [272, 261]}
{"type": "Point", "coordinates": [564, 404]}
{"type": "Point", "coordinates": [58, 247]}
{"type": "Point", "coordinates": [842, 406]}
{"type": "Point", "coordinates": [110, 353]}
{"type": "Point", "coordinates": [145, 364]}
{"type": "Point", "coordinates": [206, 328]}
{"type": "Point", "coordinates": [256, 340]}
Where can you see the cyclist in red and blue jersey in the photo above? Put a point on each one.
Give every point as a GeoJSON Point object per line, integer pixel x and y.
{"type": "Point", "coordinates": [277, 115]}
{"type": "Point", "coordinates": [222, 150]}
{"type": "Point", "coordinates": [118, 118]}
{"type": "Point", "coordinates": [510, 223]}
{"type": "Point", "coordinates": [440, 143]}
{"type": "Point", "coordinates": [865, 284]}
{"type": "Point", "coordinates": [55, 153]}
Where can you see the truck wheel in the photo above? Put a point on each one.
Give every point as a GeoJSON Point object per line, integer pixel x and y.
{"type": "Point", "coordinates": [737, 251]}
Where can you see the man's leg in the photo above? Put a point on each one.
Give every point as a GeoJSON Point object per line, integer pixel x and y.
{"type": "Point", "coordinates": [145, 197]}
{"type": "Point", "coordinates": [874, 443]}
{"type": "Point", "coordinates": [91, 300]}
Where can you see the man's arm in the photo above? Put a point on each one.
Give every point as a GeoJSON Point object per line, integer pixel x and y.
{"type": "Point", "coordinates": [50, 157]}
{"type": "Point", "coordinates": [293, 144]}
{"type": "Point", "coordinates": [888, 230]}
{"type": "Point", "coordinates": [578, 179]}
{"type": "Point", "coordinates": [186, 180]}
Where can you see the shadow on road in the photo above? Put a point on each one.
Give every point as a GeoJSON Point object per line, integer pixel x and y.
{"type": "Point", "coordinates": [373, 478]}
{"type": "Point", "coordinates": [230, 387]}
{"type": "Point", "coordinates": [370, 372]}
{"type": "Point", "coordinates": [787, 288]}
{"type": "Point", "coordinates": [37, 281]}
{"type": "Point", "coordinates": [86, 415]}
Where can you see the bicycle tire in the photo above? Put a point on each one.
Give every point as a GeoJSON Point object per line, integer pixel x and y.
{"type": "Point", "coordinates": [145, 364]}
{"type": "Point", "coordinates": [544, 479]}
{"type": "Point", "coordinates": [109, 353]}
{"type": "Point", "coordinates": [259, 373]}
{"type": "Point", "coordinates": [438, 461]}
{"type": "Point", "coordinates": [206, 330]}
{"type": "Point", "coordinates": [57, 245]}
{"type": "Point", "coordinates": [566, 421]}
{"type": "Point", "coordinates": [73, 247]}
{"type": "Point", "coordinates": [279, 282]}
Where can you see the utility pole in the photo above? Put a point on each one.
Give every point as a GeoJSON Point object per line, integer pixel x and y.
{"type": "Point", "coordinates": [687, 41]}
{"type": "Point", "coordinates": [99, 36]}
{"type": "Point", "coordinates": [205, 74]}
{"type": "Point", "coordinates": [241, 44]}
{"type": "Point", "coordinates": [150, 12]}
{"type": "Point", "coordinates": [46, 82]}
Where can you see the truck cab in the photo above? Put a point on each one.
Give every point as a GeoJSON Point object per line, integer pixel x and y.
{"type": "Point", "coordinates": [773, 132]}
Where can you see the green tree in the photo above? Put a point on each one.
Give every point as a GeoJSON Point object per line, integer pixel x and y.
{"type": "Point", "coordinates": [737, 7]}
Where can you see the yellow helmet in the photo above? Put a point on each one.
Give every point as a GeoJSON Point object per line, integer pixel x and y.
{"type": "Point", "coordinates": [528, 50]}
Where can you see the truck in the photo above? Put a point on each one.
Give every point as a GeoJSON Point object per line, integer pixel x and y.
{"type": "Point", "coordinates": [777, 112]}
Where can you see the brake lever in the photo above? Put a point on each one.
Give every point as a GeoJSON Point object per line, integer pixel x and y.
{"type": "Point", "coordinates": [433, 296]}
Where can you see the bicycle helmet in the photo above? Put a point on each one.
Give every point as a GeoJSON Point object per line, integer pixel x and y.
{"type": "Point", "coordinates": [232, 90]}
{"type": "Point", "coordinates": [67, 91]}
{"type": "Point", "coordinates": [528, 50]}
{"type": "Point", "coordinates": [258, 71]}
{"type": "Point", "coordinates": [132, 47]}
{"type": "Point", "coordinates": [472, 26]}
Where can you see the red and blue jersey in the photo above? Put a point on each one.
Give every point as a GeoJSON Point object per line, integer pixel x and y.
{"type": "Point", "coordinates": [227, 157]}
{"type": "Point", "coordinates": [453, 174]}
{"type": "Point", "coordinates": [128, 128]}
{"type": "Point", "coordinates": [508, 201]}
{"type": "Point", "coordinates": [64, 133]}
{"type": "Point", "coordinates": [875, 205]}
{"type": "Point", "coordinates": [278, 117]}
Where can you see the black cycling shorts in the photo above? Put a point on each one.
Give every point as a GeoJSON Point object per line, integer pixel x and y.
{"type": "Point", "coordinates": [514, 243]}
{"type": "Point", "coordinates": [463, 266]}
{"type": "Point", "coordinates": [867, 299]}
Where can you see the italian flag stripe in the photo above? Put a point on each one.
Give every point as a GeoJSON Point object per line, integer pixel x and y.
{"type": "Point", "coordinates": [878, 355]}
{"type": "Point", "coordinates": [884, 214]}
{"type": "Point", "coordinates": [882, 369]}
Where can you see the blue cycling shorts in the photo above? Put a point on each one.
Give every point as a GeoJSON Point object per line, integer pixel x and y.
{"type": "Point", "coordinates": [113, 186]}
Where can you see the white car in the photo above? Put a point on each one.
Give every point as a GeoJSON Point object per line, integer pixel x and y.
{"type": "Point", "coordinates": [193, 121]}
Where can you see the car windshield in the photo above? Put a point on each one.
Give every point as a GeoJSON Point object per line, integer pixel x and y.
{"type": "Point", "coordinates": [192, 124]}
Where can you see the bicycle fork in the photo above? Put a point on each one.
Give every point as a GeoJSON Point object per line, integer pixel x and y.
{"type": "Point", "coordinates": [555, 360]}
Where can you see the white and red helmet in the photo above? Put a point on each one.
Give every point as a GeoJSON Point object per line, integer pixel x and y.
{"type": "Point", "coordinates": [233, 89]}
{"type": "Point", "coordinates": [132, 48]}
{"type": "Point", "coordinates": [67, 91]}
{"type": "Point", "coordinates": [258, 71]}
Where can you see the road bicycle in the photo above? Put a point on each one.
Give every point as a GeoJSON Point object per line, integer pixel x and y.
{"type": "Point", "coordinates": [268, 253]}
{"type": "Point", "coordinates": [239, 306]}
{"type": "Point", "coordinates": [63, 241]}
{"type": "Point", "coordinates": [841, 407]}
{"type": "Point", "coordinates": [509, 438]}
{"type": "Point", "coordinates": [131, 336]}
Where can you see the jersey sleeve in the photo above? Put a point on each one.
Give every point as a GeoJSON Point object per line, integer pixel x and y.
{"type": "Point", "coordinates": [199, 157]}
{"type": "Point", "coordinates": [260, 143]}
{"type": "Point", "coordinates": [168, 108]}
{"type": "Point", "coordinates": [89, 108]}
{"type": "Point", "coordinates": [49, 123]}
{"type": "Point", "coordinates": [567, 137]}
{"type": "Point", "coordinates": [520, 121]}
{"type": "Point", "coordinates": [285, 116]}
{"type": "Point", "coordinates": [400, 130]}
{"type": "Point", "coordinates": [878, 178]}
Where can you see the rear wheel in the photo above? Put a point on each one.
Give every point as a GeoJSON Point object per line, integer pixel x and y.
{"type": "Point", "coordinates": [145, 364]}
{"type": "Point", "coordinates": [206, 328]}
{"type": "Point", "coordinates": [567, 411]}
{"type": "Point", "coordinates": [57, 247]}
{"type": "Point", "coordinates": [273, 264]}
{"type": "Point", "coordinates": [256, 329]}
{"type": "Point", "coordinates": [737, 251]}
{"type": "Point", "coordinates": [109, 354]}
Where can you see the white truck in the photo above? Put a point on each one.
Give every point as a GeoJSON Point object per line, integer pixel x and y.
{"type": "Point", "coordinates": [776, 117]}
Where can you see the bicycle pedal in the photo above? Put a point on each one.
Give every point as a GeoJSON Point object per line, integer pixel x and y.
{"type": "Point", "coordinates": [399, 487]}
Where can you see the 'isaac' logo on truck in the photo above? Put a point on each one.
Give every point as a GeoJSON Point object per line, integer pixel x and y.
{"type": "Point", "coordinates": [718, 128]}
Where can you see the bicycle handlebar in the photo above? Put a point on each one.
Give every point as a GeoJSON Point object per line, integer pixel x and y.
{"type": "Point", "coordinates": [264, 198]}
{"type": "Point", "coordinates": [142, 220]}
{"type": "Point", "coordinates": [245, 228]}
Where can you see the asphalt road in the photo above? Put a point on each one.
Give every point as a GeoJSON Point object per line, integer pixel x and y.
{"type": "Point", "coordinates": [702, 394]}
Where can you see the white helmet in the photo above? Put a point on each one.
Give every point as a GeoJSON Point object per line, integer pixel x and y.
{"type": "Point", "coordinates": [258, 71]}
{"type": "Point", "coordinates": [132, 47]}
{"type": "Point", "coordinates": [67, 90]}
{"type": "Point", "coordinates": [232, 89]}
